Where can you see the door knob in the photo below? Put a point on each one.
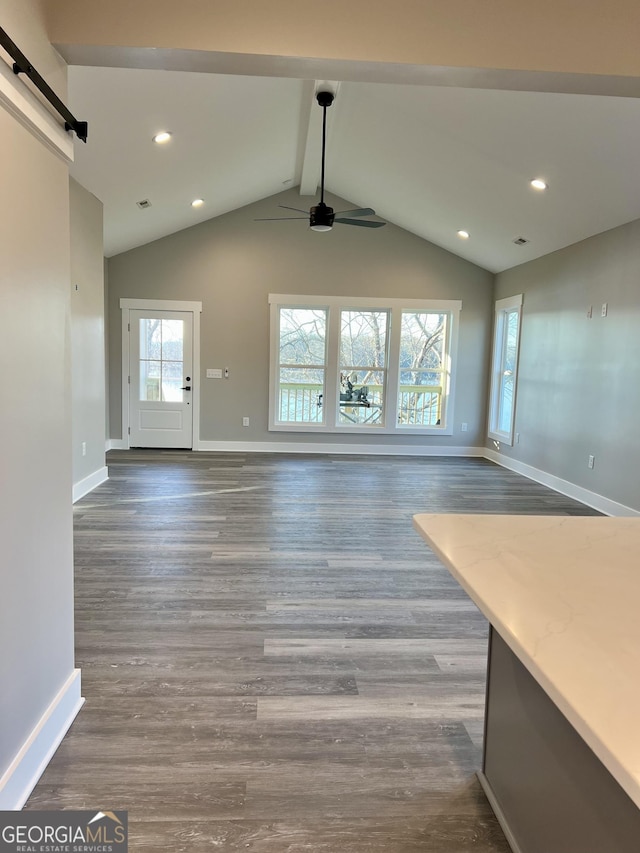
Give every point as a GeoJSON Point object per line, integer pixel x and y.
{"type": "Point", "coordinates": [185, 388]}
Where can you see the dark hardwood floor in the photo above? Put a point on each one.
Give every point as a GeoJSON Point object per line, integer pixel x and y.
{"type": "Point", "coordinates": [273, 661]}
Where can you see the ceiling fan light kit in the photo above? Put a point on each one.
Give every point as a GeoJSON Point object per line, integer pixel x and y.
{"type": "Point", "coordinates": [321, 216]}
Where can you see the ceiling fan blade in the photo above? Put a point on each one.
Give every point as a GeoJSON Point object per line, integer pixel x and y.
{"type": "Point", "coordinates": [360, 211]}
{"type": "Point", "coordinates": [297, 209]}
{"type": "Point", "coordinates": [361, 222]}
{"type": "Point", "coordinates": [280, 218]}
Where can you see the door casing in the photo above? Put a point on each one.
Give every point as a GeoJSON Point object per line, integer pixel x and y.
{"type": "Point", "coordinates": [128, 305]}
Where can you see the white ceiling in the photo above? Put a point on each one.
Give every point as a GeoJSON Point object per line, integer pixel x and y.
{"type": "Point", "coordinates": [429, 159]}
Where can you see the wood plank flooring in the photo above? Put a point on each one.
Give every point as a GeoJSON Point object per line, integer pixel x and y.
{"type": "Point", "coordinates": [273, 661]}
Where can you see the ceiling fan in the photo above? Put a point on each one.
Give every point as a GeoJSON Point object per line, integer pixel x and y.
{"type": "Point", "coordinates": [322, 217]}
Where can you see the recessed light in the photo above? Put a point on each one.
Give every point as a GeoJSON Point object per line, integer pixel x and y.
{"type": "Point", "coordinates": [163, 136]}
{"type": "Point", "coordinates": [463, 235]}
{"type": "Point", "coordinates": [539, 184]}
{"type": "Point", "coordinates": [197, 202]}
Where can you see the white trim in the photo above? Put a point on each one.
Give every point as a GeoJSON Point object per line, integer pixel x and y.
{"type": "Point", "coordinates": [25, 770]}
{"type": "Point", "coordinates": [88, 484]}
{"type": "Point", "coordinates": [128, 305]}
{"type": "Point", "coordinates": [300, 300]}
{"type": "Point", "coordinates": [508, 302]}
{"type": "Point", "coordinates": [328, 448]}
{"type": "Point", "coordinates": [571, 490]}
{"type": "Point", "coordinates": [161, 305]}
{"type": "Point", "coordinates": [511, 304]}
{"type": "Point", "coordinates": [117, 444]}
{"type": "Point", "coordinates": [23, 105]}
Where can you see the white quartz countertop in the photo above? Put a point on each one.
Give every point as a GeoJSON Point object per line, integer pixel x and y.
{"type": "Point", "coordinates": [564, 594]}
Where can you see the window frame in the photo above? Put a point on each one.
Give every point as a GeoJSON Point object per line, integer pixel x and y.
{"type": "Point", "coordinates": [279, 365]}
{"type": "Point", "coordinates": [334, 305]}
{"type": "Point", "coordinates": [503, 307]}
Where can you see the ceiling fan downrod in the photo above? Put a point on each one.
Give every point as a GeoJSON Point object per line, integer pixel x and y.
{"type": "Point", "coordinates": [321, 216]}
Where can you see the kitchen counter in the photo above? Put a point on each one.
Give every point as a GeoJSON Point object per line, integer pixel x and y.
{"type": "Point", "coordinates": [563, 593]}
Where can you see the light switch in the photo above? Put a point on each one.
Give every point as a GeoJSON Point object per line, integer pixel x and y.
{"type": "Point", "coordinates": [214, 373]}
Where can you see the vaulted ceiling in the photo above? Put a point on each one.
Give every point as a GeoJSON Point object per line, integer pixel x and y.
{"type": "Point", "coordinates": [430, 159]}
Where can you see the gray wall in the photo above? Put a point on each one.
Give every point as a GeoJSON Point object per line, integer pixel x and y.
{"type": "Point", "coordinates": [579, 378]}
{"type": "Point", "coordinates": [87, 333]}
{"type": "Point", "coordinates": [232, 263]}
{"type": "Point", "coordinates": [36, 574]}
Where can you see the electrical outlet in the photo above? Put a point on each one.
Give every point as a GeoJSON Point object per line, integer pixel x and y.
{"type": "Point", "coordinates": [464, 427]}
{"type": "Point", "coordinates": [226, 373]}
{"type": "Point", "coordinates": [605, 308]}
{"type": "Point", "coordinates": [517, 438]}
{"type": "Point", "coordinates": [590, 312]}
{"type": "Point", "coordinates": [591, 461]}
{"type": "Point", "coordinates": [245, 422]}
{"type": "Point", "coordinates": [84, 448]}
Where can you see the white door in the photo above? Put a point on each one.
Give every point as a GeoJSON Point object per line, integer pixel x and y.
{"type": "Point", "coordinates": [160, 378]}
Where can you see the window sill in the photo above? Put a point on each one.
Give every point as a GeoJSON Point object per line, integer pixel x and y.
{"type": "Point", "coordinates": [501, 437]}
{"type": "Point", "coordinates": [359, 430]}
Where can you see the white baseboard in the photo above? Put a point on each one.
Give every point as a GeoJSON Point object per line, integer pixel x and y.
{"type": "Point", "coordinates": [325, 447]}
{"type": "Point", "coordinates": [571, 490]}
{"type": "Point", "coordinates": [23, 773]}
{"type": "Point", "coordinates": [90, 483]}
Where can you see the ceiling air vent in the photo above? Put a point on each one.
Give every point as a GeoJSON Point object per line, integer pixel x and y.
{"type": "Point", "coordinates": [144, 203]}
{"type": "Point", "coordinates": [520, 241]}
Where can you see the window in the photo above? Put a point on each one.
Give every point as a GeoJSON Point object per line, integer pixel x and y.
{"type": "Point", "coordinates": [301, 364]}
{"type": "Point", "coordinates": [342, 364]}
{"type": "Point", "coordinates": [504, 369]}
{"type": "Point", "coordinates": [363, 363]}
{"type": "Point", "coordinates": [423, 374]}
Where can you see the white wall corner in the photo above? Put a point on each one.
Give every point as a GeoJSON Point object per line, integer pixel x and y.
{"type": "Point", "coordinates": [90, 483]}
{"type": "Point", "coordinates": [27, 767]}
{"type": "Point", "coordinates": [571, 490]}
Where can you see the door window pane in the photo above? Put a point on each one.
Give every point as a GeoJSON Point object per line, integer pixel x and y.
{"type": "Point", "coordinates": [172, 381]}
{"type": "Point", "coordinates": [150, 338]}
{"type": "Point", "coordinates": [150, 373]}
{"type": "Point", "coordinates": [301, 368]}
{"type": "Point", "coordinates": [161, 360]}
{"type": "Point", "coordinates": [172, 339]}
{"type": "Point", "coordinates": [422, 369]}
